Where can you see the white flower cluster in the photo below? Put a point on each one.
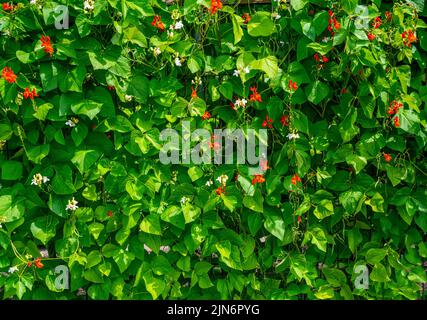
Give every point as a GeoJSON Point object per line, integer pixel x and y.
{"type": "Point", "coordinates": [177, 26]}
{"type": "Point", "coordinates": [38, 180]}
{"type": "Point", "coordinates": [240, 103]}
{"type": "Point", "coordinates": [237, 72]}
{"type": "Point", "coordinates": [222, 179]}
{"type": "Point", "coordinates": [292, 136]}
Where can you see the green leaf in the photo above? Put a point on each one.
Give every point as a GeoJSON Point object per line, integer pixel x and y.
{"type": "Point", "coordinates": [42, 111]}
{"type": "Point", "coordinates": [38, 153]}
{"type": "Point", "coordinates": [324, 209]}
{"type": "Point", "coordinates": [316, 92]}
{"type": "Point", "coordinates": [88, 108]}
{"type": "Point", "coordinates": [151, 224]}
{"type": "Point", "coordinates": [237, 29]}
{"type": "Point", "coordinates": [44, 228]}
{"type": "Point", "coordinates": [298, 4]}
{"type": "Point", "coordinates": [261, 25]}
{"type": "Point", "coordinates": [9, 209]}
{"type": "Point", "coordinates": [274, 224]}
{"type": "Point", "coordinates": [374, 256]}
{"type": "Point", "coordinates": [84, 159]}
{"type": "Point", "coordinates": [11, 170]}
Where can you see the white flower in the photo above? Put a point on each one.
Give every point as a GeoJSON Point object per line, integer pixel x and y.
{"type": "Point", "coordinates": [266, 79]}
{"type": "Point", "coordinates": [72, 205]}
{"type": "Point", "coordinates": [44, 253]}
{"type": "Point", "coordinates": [241, 103]}
{"type": "Point", "coordinates": [291, 136]}
{"type": "Point", "coordinates": [263, 239]}
{"type": "Point", "coordinates": [197, 80]}
{"type": "Point", "coordinates": [38, 179]}
{"type": "Point", "coordinates": [184, 200]}
{"type": "Point", "coordinates": [88, 5]}
{"type": "Point", "coordinates": [13, 269]}
{"type": "Point", "coordinates": [236, 73]}
{"type": "Point", "coordinates": [128, 97]}
{"type": "Point", "coordinates": [70, 123]}
{"type": "Point", "coordinates": [165, 249]}
{"type": "Point", "coordinates": [246, 69]}
{"type": "Point", "coordinates": [147, 248]}
{"type": "Point", "coordinates": [178, 25]}
{"type": "Point", "coordinates": [33, 1]}
{"type": "Point", "coordinates": [222, 179]}
{"type": "Point", "coordinates": [276, 15]}
{"type": "Point", "coordinates": [325, 39]}
{"type": "Point", "coordinates": [178, 62]}
{"type": "Point", "coordinates": [157, 51]}
{"type": "Point", "coordinates": [209, 183]}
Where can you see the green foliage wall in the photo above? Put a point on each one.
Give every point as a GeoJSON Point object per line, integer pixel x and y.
{"type": "Point", "coordinates": [339, 85]}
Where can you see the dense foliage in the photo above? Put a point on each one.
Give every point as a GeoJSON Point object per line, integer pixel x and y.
{"type": "Point", "coordinates": [339, 85]}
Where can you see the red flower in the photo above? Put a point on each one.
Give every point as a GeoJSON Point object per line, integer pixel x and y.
{"type": "Point", "coordinates": [371, 37]}
{"type": "Point", "coordinates": [246, 17]}
{"type": "Point", "coordinates": [111, 88]}
{"type": "Point", "coordinates": [8, 75]}
{"type": "Point", "coordinates": [344, 90]}
{"type": "Point", "coordinates": [258, 178]}
{"type": "Point", "coordinates": [325, 59]}
{"type": "Point", "coordinates": [299, 219]}
{"type": "Point", "coordinates": [30, 94]}
{"type": "Point", "coordinates": [388, 15]}
{"type": "Point", "coordinates": [295, 179]}
{"type": "Point", "coordinates": [7, 7]}
{"type": "Point", "coordinates": [316, 57]}
{"type": "Point", "coordinates": [38, 263]}
{"type": "Point", "coordinates": [157, 22]}
{"type": "Point", "coordinates": [408, 38]}
{"type": "Point", "coordinates": [377, 22]}
{"type": "Point", "coordinates": [206, 115]}
{"type": "Point", "coordinates": [284, 120]}
{"type": "Point", "coordinates": [220, 190]}
{"type": "Point", "coordinates": [331, 13]}
{"type": "Point", "coordinates": [193, 93]}
{"type": "Point", "coordinates": [387, 157]}
{"type": "Point", "coordinates": [337, 25]}
{"type": "Point", "coordinates": [47, 45]}
{"type": "Point", "coordinates": [110, 213]}
{"type": "Point", "coordinates": [396, 122]}
{"type": "Point", "coordinates": [215, 5]}
{"type": "Point", "coordinates": [267, 122]}
{"type": "Point", "coordinates": [29, 264]}
{"type": "Point", "coordinates": [292, 85]}
{"type": "Point", "coordinates": [255, 96]}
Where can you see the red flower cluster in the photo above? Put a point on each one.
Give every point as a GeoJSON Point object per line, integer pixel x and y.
{"type": "Point", "coordinates": [333, 23]}
{"type": "Point", "coordinates": [157, 22]}
{"type": "Point", "coordinates": [387, 157]}
{"type": "Point", "coordinates": [292, 85]}
{"type": "Point", "coordinates": [47, 45]}
{"type": "Point", "coordinates": [377, 22]}
{"type": "Point", "coordinates": [285, 120]}
{"type": "Point", "coordinates": [258, 178]}
{"type": "Point", "coordinates": [408, 38]}
{"type": "Point", "coordinates": [396, 122]}
{"type": "Point", "coordinates": [220, 190]}
{"type": "Point", "coordinates": [295, 179]}
{"type": "Point", "coordinates": [193, 93]}
{"type": "Point", "coordinates": [7, 7]}
{"type": "Point", "coordinates": [267, 122]}
{"type": "Point", "coordinates": [30, 94]}
{"type": "Point", "coordinates": [246, 18]}
{"type": "Point", "coordinates": [255, 96]}
{"type": "Point", "coordinates": [317, 58]}
{"type": "Point", "coordinates": [215, 5]}
{"type": "Point", "coordinates": [394, 107]}
{"type": "Point", "coordinates": [371, 36]}
{"type": "Point", "coordinates": [37, 263]}
{"type": "Point", "coordinates": [8, 75]}
{"type": "Point", "coordinates": [206, 115]}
